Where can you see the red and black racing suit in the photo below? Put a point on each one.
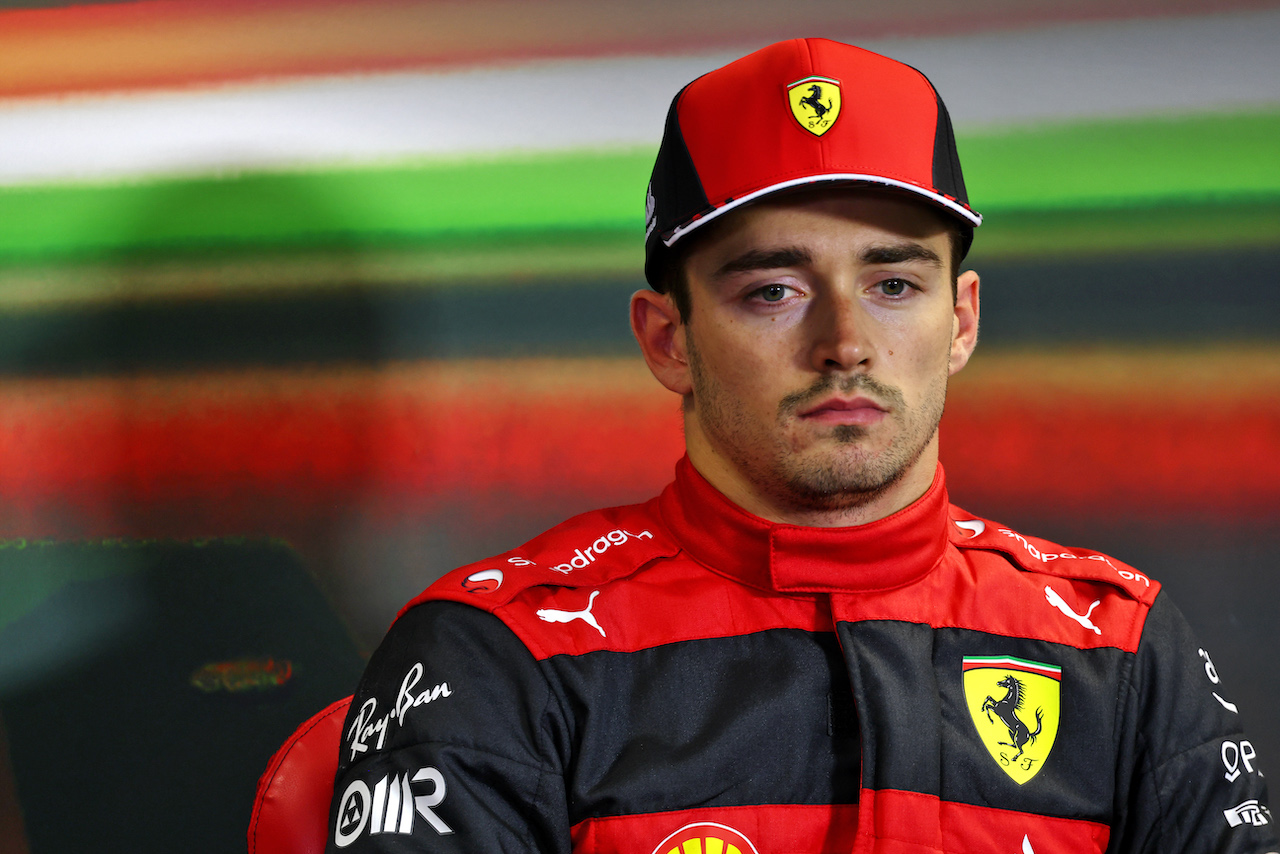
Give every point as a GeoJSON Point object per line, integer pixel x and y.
{"type": "Point", "coordinates": [682, 676]}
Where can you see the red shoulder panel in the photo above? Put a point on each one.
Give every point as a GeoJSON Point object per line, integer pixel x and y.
{"type": "Point", "coordinates": [1038, 555]}
{"type": "Point", "coordinates": [588, 550]}
{"type": "Point", "coordinates": [983, 591]}
{"type": "Point", "coordinates": [615, 579]}
{"type": "Point", "coordinates": [669, 601]}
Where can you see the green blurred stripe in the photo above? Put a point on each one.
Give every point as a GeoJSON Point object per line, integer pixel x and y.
{"type": "Point", "coordinates": [1206, 159]}
{"type": "Point", "coordinates": [344, 207]}
{"type": "Point", "coordinates": [1120, 163]}
{"type": "Point", "coordinates": [1177, 225]}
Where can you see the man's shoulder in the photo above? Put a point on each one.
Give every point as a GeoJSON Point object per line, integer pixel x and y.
{"type": "Point", "coordinates": [587, 550]}
{"type": "Point", "coordinates": [970, 533]}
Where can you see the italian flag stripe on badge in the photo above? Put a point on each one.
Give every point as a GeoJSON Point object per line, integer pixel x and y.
{"type": "Point", "coordinates": [972, 662]}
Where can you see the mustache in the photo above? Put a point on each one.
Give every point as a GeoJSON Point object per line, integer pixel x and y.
{"type": "Point", "coordinates": [882, 393]}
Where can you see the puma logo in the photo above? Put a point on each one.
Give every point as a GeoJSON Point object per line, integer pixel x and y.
{"type": "Point", "coordinates": [551, 615]}
{"type": "Point", "coordinates": [1058, 602]}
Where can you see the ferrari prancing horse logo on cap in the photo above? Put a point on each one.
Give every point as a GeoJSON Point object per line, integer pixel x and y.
{"type": "Point", "coordinates": [815, 102]}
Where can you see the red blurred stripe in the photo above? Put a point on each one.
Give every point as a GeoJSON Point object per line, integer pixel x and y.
{"type": "Point", "coordinates": [267, 450]}
{"type": "Point", "coordinates": [176, 43]}
{"type": "Point", "coordinates": [1119, 452]}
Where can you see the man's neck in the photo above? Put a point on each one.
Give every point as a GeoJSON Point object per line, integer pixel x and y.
{"type": "Point", "coordinates": [744, 492]}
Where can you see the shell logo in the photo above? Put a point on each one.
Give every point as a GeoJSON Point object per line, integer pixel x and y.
{"type": "Point", "coordinates": [484, 581]}
{"type": "Point", "coordinates": [706, 837]}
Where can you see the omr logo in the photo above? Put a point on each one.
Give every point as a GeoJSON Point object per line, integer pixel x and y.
{"type": "Point", "coordinates": [390, 806]}
{"type": "Point", "coordinates": [706, 837]}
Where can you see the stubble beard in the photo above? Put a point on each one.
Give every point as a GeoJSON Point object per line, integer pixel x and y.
{"type": "Point", "coordinates": [844, 477]}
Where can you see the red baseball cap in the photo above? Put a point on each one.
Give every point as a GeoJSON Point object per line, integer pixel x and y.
{"type": "Point", "coordinates": [798, 113]}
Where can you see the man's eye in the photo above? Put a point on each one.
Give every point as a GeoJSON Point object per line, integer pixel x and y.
{"type": "Point", "coordinates": [894, 287]}
{"type": "Point", "coordinates": [773, 293]}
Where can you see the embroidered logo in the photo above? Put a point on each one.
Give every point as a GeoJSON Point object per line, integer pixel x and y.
{"type": "Point", "coordinates": [973, 526]}
{"type": "Point", "coordinates": [583, 558]}
{"type": "Point", "coordinates": [551, 615]}
{"type": "Point", "coordinates": [1015, 705]}
{"type": "Point", "coordinates": [815, 103]}
{"type": "Point", "coordinates": [1061, 604]}
{"type": "Point", "coordinates": [1250, 812]}
{"type": "Point", "coordinates": [390, 807]}
{"type": "Point", "coordinates": [484, 581]}
{"type": "Point", "coordinates": [706, 837]}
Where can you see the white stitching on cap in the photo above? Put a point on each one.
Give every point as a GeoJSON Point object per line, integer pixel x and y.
{"type": "Point", "coordinates": [958, 208]}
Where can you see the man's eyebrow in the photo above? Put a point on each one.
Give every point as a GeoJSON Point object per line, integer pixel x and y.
{"type": "Point", "coordinates": [898, 253]}
{"type": "Point", "coordinates": [766, 259]}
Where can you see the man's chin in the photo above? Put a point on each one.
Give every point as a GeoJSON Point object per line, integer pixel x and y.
{"type": "Point", "coordinates": [841, 479]}
{"type": "Point", "coordinates": [848, 434]}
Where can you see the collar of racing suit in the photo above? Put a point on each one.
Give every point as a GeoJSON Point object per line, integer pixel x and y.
{"type": "Point", "coordinates": [888, 553]}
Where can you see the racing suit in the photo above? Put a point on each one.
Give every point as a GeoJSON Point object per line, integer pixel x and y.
{"type": "Point", "coordinates": [680, 676]}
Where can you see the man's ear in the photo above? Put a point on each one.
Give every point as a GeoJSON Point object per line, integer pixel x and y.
{"type": "Point", "coordinates": [964, 325]}
{"type": "Point", "coordinates": [655, 321]}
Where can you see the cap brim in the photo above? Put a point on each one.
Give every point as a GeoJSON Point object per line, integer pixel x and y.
{"type": "Point", "coordinates": [949, 205]}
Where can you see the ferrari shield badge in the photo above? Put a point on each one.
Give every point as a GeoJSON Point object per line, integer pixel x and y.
{"type": "Point", "coordinates": [1015, 706]}
{"type": "Point", "coordinates": [815, 102]}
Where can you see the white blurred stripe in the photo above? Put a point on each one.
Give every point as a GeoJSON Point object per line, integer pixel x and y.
{"type": "Point", "coordinates": [547, 106]}
{"type": "Point", "coordinates": [1104, 70]}
{"type": "Point", "coordinates": [1066, 72]}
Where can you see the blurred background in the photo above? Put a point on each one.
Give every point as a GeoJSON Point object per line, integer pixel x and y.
{"type": "Point", "coordinates": [305, 302]}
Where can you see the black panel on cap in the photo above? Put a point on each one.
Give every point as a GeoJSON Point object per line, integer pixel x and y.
{"type": "Point", "coordinates": [946, 160]}
{"type": "Point", "coordinates": [947, 177]}
{"type": "Point", "coordinates": [677, 192]}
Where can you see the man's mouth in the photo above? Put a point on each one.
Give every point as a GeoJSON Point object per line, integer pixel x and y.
{"type": "Point", "coordinates": [845, 410]}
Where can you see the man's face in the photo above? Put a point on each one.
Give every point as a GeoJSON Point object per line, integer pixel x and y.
{"type": "Point", "coordinates": [821, 335]}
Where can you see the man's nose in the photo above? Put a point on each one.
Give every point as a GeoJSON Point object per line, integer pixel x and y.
{"type": "Point", "coordinates": [839, 329]}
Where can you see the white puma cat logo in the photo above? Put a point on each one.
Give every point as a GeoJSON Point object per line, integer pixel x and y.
{"type": "Point", "coordinates": [551, 615]}
{"type": "Point", "coordinates": [1058, 602]}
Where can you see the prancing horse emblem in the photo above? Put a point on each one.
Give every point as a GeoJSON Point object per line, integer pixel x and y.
{"type": "Point", "coordinates": [1006, 709]}
{"type": "Point", "coordinates": [815, 103]}
{"type": "Point", "coordinates": [999, 692]}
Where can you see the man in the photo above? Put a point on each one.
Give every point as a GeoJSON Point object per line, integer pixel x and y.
{"type": "Point", "coordinates": [800, 646]}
